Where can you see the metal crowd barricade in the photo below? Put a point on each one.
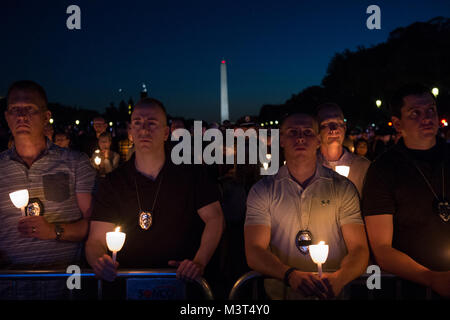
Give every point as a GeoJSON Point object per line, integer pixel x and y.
{"type": "Point", "coordinates": [43, 275]}
{"type": "Point", "coordinates": [362, 280]}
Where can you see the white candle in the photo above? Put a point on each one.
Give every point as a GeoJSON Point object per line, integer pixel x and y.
{"type": "Point", "coordinates": [20, 199]}
{"type": "Point", "coordinates": [343, 170]}
{"type": "Point", "coordinates": [319, 254]}
{"type": "Point", "coordinates": [115, 241]}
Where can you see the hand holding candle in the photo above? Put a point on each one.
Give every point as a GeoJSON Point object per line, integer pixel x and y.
{"type": "Point", "coordinates": [115, 241]}
{"type": "Point", "coordinates": [20, 199]}
{"type": "Point", "coordinates": [319, 254]}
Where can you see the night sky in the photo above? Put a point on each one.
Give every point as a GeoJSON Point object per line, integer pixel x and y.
{"type": "Point", "coordinates": [273, 49]}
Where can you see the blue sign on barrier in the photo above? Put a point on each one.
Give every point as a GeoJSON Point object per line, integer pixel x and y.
{"type": "Point", "coordinates": [155, 289]}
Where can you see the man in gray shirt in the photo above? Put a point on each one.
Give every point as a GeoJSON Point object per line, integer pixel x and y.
{"type": "Point", "coordinates": [304, 198]}
{"type": "Point", "coordinates": [332, 129]}
{"type": "Point", "coordinates": [61, 180]}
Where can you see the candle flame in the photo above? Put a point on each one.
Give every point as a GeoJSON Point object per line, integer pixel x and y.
{"type": "Point", "coordinates": [117, 229]}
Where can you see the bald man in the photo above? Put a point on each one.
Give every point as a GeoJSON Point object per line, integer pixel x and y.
{"type": "Point", "coordinates": [170, 213]}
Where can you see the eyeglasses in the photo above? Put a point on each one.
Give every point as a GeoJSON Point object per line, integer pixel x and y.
{"type": "Point", "coordinates": [23, 111]}
{"type": "Point", "coordinates": [332, 125]}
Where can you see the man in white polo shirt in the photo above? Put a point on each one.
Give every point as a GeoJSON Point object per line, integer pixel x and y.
{"type": "Point", "coordinates": [304, 201]}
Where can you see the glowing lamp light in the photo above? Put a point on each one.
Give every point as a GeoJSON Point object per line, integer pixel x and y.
{"type": "Point", "coordinates": [51, 120]}
{"type": "Point", "coordinates": [378, 103]}
{"type": "Point", "coordinates": [444, 122]}
{"type": "Point", "coordinates": [435, 91]}
{"type": "Point", "coordinates": [97, 160]}
{"type": "Point", "coordinates": [271, 122]}
{"type": "Point", "coordinates": [77, 122]}
{"type": "Point", "coordinates": [276, 121]}
{"type": "Point", "coordinates": [262, 124]}
{"type": "Point", "coordinates": [20, 199]}
{"type": "Point", "coordinates": [343, 170]}
{"type": "Point", "coordinates": [390, 124]}
{"type": "Point", "coordinates": [319, 254]}
{"type": "Point", "coordinates": [115, 241]}
{"type": "Point", "coordinates": [110, 124]}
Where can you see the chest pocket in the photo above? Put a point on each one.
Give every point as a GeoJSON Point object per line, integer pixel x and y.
{"type": "Point", "coordinates": [56, 186]}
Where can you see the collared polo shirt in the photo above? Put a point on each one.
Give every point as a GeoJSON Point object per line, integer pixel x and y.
{"type": "Point", "coordinates": [323, 207]}
{"type": "Point", "coordinates": [55, 178]}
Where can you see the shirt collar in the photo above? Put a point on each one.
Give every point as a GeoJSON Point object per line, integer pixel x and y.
{"type": "Point", "coordinates": [346, 157]}
{"type": "Point", "coordinates": [50, 148]}
{"type": "Point", "coordinates": [320, 173]}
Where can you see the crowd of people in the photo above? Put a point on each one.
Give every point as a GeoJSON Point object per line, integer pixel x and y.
{"type": "Point", "coordinates": [390, 207]}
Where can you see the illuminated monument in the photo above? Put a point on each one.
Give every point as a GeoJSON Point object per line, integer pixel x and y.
{"type": "Point", "coordinates": [223, 92]}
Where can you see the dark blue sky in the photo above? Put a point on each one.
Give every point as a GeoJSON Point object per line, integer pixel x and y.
{"type": "Point", "coordinates": [273, 48]}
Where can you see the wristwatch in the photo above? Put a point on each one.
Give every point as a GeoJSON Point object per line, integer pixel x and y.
{"type": "Point", "coordinates": [59, 230]}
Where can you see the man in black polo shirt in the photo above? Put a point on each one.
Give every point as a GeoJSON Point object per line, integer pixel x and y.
{"type": "Point", "coordinates": [406, 194]}
{"type": "Point", "coordinates": [170, 214]}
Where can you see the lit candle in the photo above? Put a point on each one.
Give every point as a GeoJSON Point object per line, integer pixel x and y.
{"type": "Point", "coordinates": [319, 254]}
{"type": "Point", "coordinates": [268, 156]}
{"type": "Point", "coordinates": [97, 160]}
{"type": "Point", "coordinates": [97, 151]}
{"type": "Point", "coordinates": [265, 165]}
{"type": "Point", "coordinates": [20, 199]}
{"type": "Point", "coordinates": [115, 241]}
{"type": "Point", "coordinates": [343, 170]}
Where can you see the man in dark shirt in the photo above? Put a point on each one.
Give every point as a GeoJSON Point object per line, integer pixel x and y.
{"type": "Point", "coordinates": [186, 217]}
{"type": "Point", "coordinates": [405, 193]}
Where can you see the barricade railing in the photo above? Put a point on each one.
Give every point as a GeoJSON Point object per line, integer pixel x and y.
{"type": "Point", "coordinates": [15, 275]}
{"type": "Point", "coordinates": [362, 280]}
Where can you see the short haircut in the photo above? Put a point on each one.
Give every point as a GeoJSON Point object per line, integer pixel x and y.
{"type": "Point", "coordinates": [105, 134]}
{"type": "Point", "coordinates": [62, 133]}
{"type": "Point", "coordinates": [28, 85]}
{"type": "Point", "coordinates": [411, 89]}
{"type": "Point", "coordinates": [360, 140]}
{"type": "Point", "coordinates": [328, 106]}
{"type": "Point", "coordinates": [151, 102]}
{"type": "Point", "coordinates": [99, 119]}
{"type": "Point", "coordinates": [304, 114]}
